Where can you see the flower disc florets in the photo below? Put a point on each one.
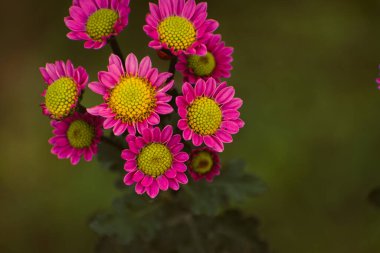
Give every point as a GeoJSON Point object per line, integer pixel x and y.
{"type": "Point", "coordinates": [76, 136]}
{"type": "Point", "coordinates": [134, 97]}
{"type": "Point", "coordinates": [96, 21]}
{"type": "Point", "coordinates": [64, 88]}
{"type": "Point", "coordinates": [209, 113]}
{"type": "Point", "coordinates": [179, 26]}
{"type": "Point", "coordinates": [216, 63]}
{"type": "Point", "coordinates": [204, 163]}
{"type": "Point", "coordinates": [155, 161]}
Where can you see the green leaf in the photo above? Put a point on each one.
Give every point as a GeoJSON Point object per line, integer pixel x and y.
{"type": "Point", "coordinates": [131, 217]}
{"type": "Point", "coordinates": [233, 186]}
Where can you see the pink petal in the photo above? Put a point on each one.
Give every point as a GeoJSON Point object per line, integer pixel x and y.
{"type": "Point", "coordinates": [145, 66]}
{"type": "Point", "coordinates": [182, 178]}
{"type": "Point", "coordinates": [166, 133]}
{"type": "Point", "coordinates": [154, 119]}
{"type": "Point", "coordinates": [200, 88]}
{"type": "Point", "coordinates": [230, 127]}
{"type": "Point", "coordinates": [180, 167]}
{"type": "Point", "coordinates": [147, 135]}
{"type": "Point", "coordinates": [164, 108]}
{"type": "Point", "coordinates": [108, 79]}
{"type": "Point", "coordinates": [126, 154]}
{"type": "Point", "coordinates": [173, 184]}
{"type": "Point", "coordinates": [171, 173]}
{"type": "Point", "coordinates": [138, 176]}
{"type": "Point", "coordinates": [153, 189]}
{"type": "Point", "coordinates": [163, 182]}
{"type": "Point", "coordinates": [181, 157]}
{"type": "Point", "coordinates": [225, 95]}
{"type": "Point", "coordinates": [128, 179]}
{"type": "Point", "coordinates": [182, 124]}
{"type": "Point", "coordinates": [139, 188]}
{"type": "Point", "coordinates": [147, 181]}
{"type": "Point", "coordinates": [131, 65]}
{"type": "Point", "coordinates": [156, 135]}
{"type": "Point", "coordinates": [187, 134]}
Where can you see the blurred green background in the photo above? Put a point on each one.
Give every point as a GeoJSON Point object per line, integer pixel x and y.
{"type": "Point", "coordinates": [306, 71]}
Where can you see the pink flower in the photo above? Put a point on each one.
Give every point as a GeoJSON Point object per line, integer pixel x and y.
{"type": "Point", "coordinates": [180, 26]}
{"type": "Point", "coordinates": [76, 136]}
{"type": "Point", "coordinates": [95, 21]}
{"type": "Point", "coordinates": [134, 97]}
{"type": "Point", "coordinates": [204, 163]}
{"type": "Point", "coordinates": [64, 87]}
{"type": "Point", "coordinates": [216, 63]}
{"type": "Point", "coordinates": [209, 113]}
{"type": "Point", "coordinates": [154, 161]}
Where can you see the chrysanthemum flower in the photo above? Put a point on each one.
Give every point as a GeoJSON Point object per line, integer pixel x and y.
{"type": "Point", "coordinates": [95, 21]}
{"type": "Point", "coordinates": [155, 161]}
{"type": "Point", "coordinates": [64, 88]}
{"type": "Point", "coordinates": [209, 113]}
{"type": "Point", "coordinates": [76, 136]}
{"type": "Point", "coordinates": [180, 26]}
{"type": "Point", "coordinates": [134, 97]}
{"type": "Point", "coordinates": [216, 63]}
{"type": "Point", "coordinates": [204, 163]}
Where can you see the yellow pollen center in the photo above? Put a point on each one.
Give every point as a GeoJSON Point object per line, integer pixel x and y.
{"type": "Point", "coordinates": [202, 65]}
{"type": "Point", "coordinates": [177, 32]}
{"type": "Point", "coordinates": [101, 23]}
{"type": "Point", "coordinates": [204, 116]}
{"type": "Point", "coordinates": [133, 99]}
{"type": "Point", "coordinates": [154, 159]}
{"type": "Point", "coordinates": [202, 162]}
{"type": "Point", "coordinates": [60, 97]}
{"type": "Point", "coordinates": [80, 134]}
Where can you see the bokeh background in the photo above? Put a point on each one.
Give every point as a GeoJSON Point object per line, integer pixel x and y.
{"type": "Point", "coordinates": [306, 72]}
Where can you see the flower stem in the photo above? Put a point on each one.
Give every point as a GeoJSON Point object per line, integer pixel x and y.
{"type": "Point", "coordinates": [115, 47]}
{"type": "Point", "coordinates": [173, 62]}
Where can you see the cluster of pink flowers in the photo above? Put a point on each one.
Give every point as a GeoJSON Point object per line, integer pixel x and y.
{"type": "Point", "coordinates": [138, 99]}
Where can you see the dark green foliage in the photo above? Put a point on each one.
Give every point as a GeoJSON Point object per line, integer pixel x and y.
{"type": "Point", "coordinates": [232, 186]}
{"type": "Point", "coordinates": [200, 217]}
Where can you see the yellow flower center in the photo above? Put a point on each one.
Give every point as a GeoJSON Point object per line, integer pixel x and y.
{"type": "Point", "coordinates": [101, 23]}
{"type": "Point", "coordinates": [60, 97]}
{"type": "Point", "coordinates": [80, 134]}
{"type": "Point", "coordinates": [204, 116]}
{"type": "Point", "coordinates": [202, 65]}
{"type": "Point", "coordinates": [202, 162]}
{"type": "Point", "coordinates": [154, 159]}
{"type": "Point", "coordinates": [133, 99]}
{"type": "Point", "coordinates": [177, 32]}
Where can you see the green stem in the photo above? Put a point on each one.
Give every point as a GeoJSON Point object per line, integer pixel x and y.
{"type": "Point", "coordinates": [115, 47]}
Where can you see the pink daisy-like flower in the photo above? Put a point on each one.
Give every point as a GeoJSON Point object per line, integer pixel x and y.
{"type": "Point", "coordinates": [95, 21]}
{"type": "Point", "coordinates": [204, 163]}
{"type": "Point", "coordinates": [179, 26]}
{"type": "Point", "coordinates": [64, 88]}
{"type": "Point", "coordinates": [216, 63]}
{"type": "Point", "coordinates": [76, 136]}
{"type": "Point", "coordinates": [134, 97]}
{"type": "Point", "coordinates": [155, 161]}
{"type": "Point", "coordinates": [209, 113]}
